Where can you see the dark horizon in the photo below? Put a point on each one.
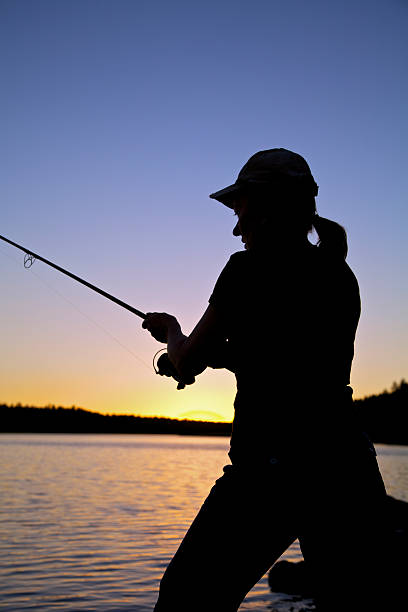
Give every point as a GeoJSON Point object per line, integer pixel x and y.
{"type": "Point", "coordinates": [384, 417]}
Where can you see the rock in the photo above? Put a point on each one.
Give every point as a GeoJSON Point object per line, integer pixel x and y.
{"type": "Point", "coordinates": [292, 577]}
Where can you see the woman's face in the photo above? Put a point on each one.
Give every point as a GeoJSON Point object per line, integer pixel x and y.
{"type": "Point", "coordinates": [248, 223]}
{"type": "Point", "coordinates": [259, 229]}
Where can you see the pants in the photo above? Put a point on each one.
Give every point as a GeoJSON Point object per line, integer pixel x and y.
{"type": "Point", "coordinates": [254, 513]}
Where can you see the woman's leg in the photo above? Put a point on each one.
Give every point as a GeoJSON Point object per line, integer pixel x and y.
{"type": "Point", "coordinates": [345, 537]}
{"type": "Point", "coordinates": [242, 528]}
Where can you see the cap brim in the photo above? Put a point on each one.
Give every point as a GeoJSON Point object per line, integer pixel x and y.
{"type": "Point", "coordinates": [227, 195]}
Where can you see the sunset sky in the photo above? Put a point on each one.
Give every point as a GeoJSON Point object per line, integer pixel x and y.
{"type": "Point", "coordinates": [119, 117]}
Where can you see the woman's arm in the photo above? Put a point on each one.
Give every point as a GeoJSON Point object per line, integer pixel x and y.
{"type": "Point", "coordinates": [189, 354]}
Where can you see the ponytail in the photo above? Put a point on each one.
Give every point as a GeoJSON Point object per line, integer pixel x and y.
{"type": "Point", "coordinates": [332, 236]}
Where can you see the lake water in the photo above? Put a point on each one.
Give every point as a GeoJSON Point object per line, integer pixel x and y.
{"type": "Point", "coordinates": [89, 522]}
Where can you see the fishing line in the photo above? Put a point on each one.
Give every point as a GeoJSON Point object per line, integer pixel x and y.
{"type": "Point", "coordinates": [28, 262]}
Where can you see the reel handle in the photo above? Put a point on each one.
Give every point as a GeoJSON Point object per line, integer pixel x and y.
{"type": "Point", "coordinates": [164, 367]}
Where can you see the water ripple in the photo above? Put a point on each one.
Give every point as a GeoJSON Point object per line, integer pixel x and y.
{"type": "Point", "coordinates": [90, 522]}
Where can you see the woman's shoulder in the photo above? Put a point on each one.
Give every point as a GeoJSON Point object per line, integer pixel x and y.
{"type": "Point", "coordinates": [239, 259]}
{"type": "Point", "coordinates": [240, 256]}
{"type": "Point", "coordinates": [334, 269]}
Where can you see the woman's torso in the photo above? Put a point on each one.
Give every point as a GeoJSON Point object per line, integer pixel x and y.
{"type": "Point", "coordinates": [290, 319]}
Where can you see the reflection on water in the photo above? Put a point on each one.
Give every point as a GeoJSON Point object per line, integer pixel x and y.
{"type": "Point", "coordinates": [90, 522]}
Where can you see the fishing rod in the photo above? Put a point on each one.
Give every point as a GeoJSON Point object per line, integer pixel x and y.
{"type": "Point", "coordinates": [164, 367]}
{"type": "Point", "coordinates": [31, 257]}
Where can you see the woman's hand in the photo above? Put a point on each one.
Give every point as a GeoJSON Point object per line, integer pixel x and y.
{"type": "Point", "coordinates": [159, 324]}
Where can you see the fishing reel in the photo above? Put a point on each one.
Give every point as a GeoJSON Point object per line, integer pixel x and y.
{"type": "Point", "coordinates": [164, 367]}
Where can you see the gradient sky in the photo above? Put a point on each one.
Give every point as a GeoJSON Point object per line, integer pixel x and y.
{"type": "Point", "coordinates": [119, 117]}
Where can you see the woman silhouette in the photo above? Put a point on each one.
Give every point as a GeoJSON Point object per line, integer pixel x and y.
{"type": "Point", "coordinates": [283, 317]}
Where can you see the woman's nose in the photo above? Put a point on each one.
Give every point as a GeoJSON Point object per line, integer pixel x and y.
{"type": "Point", "coordinates": [237, 230]}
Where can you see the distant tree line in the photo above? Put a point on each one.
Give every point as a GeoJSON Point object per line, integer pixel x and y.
{"type": "Point", "coordinates": [384, 417]}
{"type": "Point", "coordinates": [56, 419]}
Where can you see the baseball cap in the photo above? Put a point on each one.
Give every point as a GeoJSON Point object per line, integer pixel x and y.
{"type": "Point", "coordinates": [279, 167]}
